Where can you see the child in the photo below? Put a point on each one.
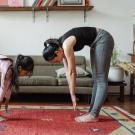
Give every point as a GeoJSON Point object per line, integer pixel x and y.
{"type": "Point", "coordinates": [23, 66]}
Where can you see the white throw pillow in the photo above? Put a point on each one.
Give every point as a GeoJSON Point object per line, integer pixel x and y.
{"type": "Point", "coordinates": [79, 71]}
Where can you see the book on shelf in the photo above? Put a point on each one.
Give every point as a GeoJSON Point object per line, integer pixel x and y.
{"type": "Point", "coordinates": [71, 3]}
{"type": "Point", "coordinates": [3, 3]}
{"type": "Point", "coordinates": [34, 4]}
{"type": "Point", "coordinates": [46, 3]}
{"type": "Point", "coordinates": [43, 3]}
{"type": "Point", "coordinates": [15, 3]}
{"type": "Point", "coordinates": [38, 4]}
{"type": "Point", "coordinates": [52, 2]}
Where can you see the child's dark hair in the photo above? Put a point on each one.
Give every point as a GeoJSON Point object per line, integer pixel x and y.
{"type": "Point", "coordinates": [26, 63]}
{"type": "Point", "coordinates": [51, 45]}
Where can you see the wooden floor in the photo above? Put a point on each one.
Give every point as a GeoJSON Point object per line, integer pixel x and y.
{"type": "Point", "coordinates": [128, 104]}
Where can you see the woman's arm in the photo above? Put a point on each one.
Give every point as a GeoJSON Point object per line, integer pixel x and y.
{"type": "Point", "coordinates": [66, 69]}
{"type": "Point", "coordinates": [69, 64]}
{"type": "Point", "coordinates": [5, 89]}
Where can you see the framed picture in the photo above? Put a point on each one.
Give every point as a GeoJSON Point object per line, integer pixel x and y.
{"type": "Point", "coordinates": [71, 2]}
{"type": "Point", "coordinates": [15, 3]}
{"type": "Point", "coordinates": [3, 3]}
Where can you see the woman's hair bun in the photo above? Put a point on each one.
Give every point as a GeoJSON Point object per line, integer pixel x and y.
{"type": "Point", "coordinates": [20, 57]}
{"type": "Point", "coordinates": [52, 42]}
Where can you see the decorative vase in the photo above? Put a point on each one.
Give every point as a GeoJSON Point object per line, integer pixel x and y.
{"type": "Point", "coordinates": [116, 74]}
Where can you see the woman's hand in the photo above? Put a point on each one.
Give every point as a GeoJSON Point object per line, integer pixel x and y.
{"type": "Point", "coordinates": [73, 98]}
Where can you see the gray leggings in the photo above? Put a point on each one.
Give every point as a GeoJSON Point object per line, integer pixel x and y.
{"type": "Point", "coordinates": [101, 52]}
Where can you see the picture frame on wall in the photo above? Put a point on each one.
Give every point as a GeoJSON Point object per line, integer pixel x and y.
{"type": "Point", "coordinates": [71, 2]}
{"type": "Point", "coordinates": [15, 3]}
{"type": "Point", "coordinates": [3, 3]}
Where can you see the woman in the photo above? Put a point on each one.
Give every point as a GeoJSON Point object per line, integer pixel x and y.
{"type": "Point", "coordinates": [101, 43]}
{"type": "Point", "coordinates": [23, 66]}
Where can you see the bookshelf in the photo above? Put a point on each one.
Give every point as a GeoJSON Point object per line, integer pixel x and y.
{"type": "Point", "coordinates": [49, 8]}
{"type": "Point", "coordinates": [53, 8]}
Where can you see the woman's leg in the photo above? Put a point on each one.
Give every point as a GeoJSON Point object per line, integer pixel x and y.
{"type": "Point", "coordinates": [103, 53]}
{"type": "Point", "coordinates": [102, 57]}
{"type": "Point", "coordinates": [94, 89]}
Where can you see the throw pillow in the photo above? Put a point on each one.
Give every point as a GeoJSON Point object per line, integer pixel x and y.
{"type": "Point", "coordinates": [79, 71]}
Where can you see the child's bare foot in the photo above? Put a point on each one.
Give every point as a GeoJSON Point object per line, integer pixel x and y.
{"type": "Point", "coordinates": [86, 118]}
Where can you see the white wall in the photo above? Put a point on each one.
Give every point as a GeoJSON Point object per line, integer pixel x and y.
{"type": "Point", "coordinates": [19, 34]}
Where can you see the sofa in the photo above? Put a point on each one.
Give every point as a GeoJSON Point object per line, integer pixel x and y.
{"type": "Point", "coordinates": [46, 80]}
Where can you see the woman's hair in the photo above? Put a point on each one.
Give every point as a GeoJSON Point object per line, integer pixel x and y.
{"type": "Point", "coordinates": [26, 63]}
{"type": "Point", "coordinates": [51, 45]}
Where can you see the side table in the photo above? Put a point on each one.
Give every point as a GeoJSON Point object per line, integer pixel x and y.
{"type": "Point", "coordinates": [132, 85]}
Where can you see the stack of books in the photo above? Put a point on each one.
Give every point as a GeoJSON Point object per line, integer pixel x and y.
{"type": "Point", "coordinates": [42, 3]}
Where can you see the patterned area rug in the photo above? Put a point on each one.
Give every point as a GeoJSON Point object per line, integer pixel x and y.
{"type": "Point", "coordinates": [59, 120]}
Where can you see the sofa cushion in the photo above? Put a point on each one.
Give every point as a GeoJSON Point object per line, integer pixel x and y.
{"type": "Point", "coordinates": [81, 82]}
{"type": "Point", "coordinates": [80, 72]}
{"type": "Point", "coordinates": [38, 81]}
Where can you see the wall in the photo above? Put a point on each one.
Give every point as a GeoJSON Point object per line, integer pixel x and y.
{"type": "Point", "coordinates": [19, 34]}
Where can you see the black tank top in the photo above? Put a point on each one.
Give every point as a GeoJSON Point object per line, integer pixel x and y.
{"type": "Point", "coordinates": [84, 36]}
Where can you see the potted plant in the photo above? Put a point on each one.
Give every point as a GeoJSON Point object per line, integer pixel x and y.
{"type": "Point", "coordinates": [116, 74]}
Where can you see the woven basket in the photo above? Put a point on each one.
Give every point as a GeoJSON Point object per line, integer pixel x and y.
{"type": "Point", "coordinates": [132, 57]}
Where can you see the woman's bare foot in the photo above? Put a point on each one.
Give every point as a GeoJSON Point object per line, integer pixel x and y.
{"type": "Point", "coordinates": [86, 118]}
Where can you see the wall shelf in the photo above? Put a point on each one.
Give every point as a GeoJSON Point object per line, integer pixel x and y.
{"type": "Point", "coordinates": [53, 8]}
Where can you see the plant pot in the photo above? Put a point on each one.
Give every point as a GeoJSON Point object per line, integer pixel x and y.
{"type": "Point", "coordinates": [116, 74]}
